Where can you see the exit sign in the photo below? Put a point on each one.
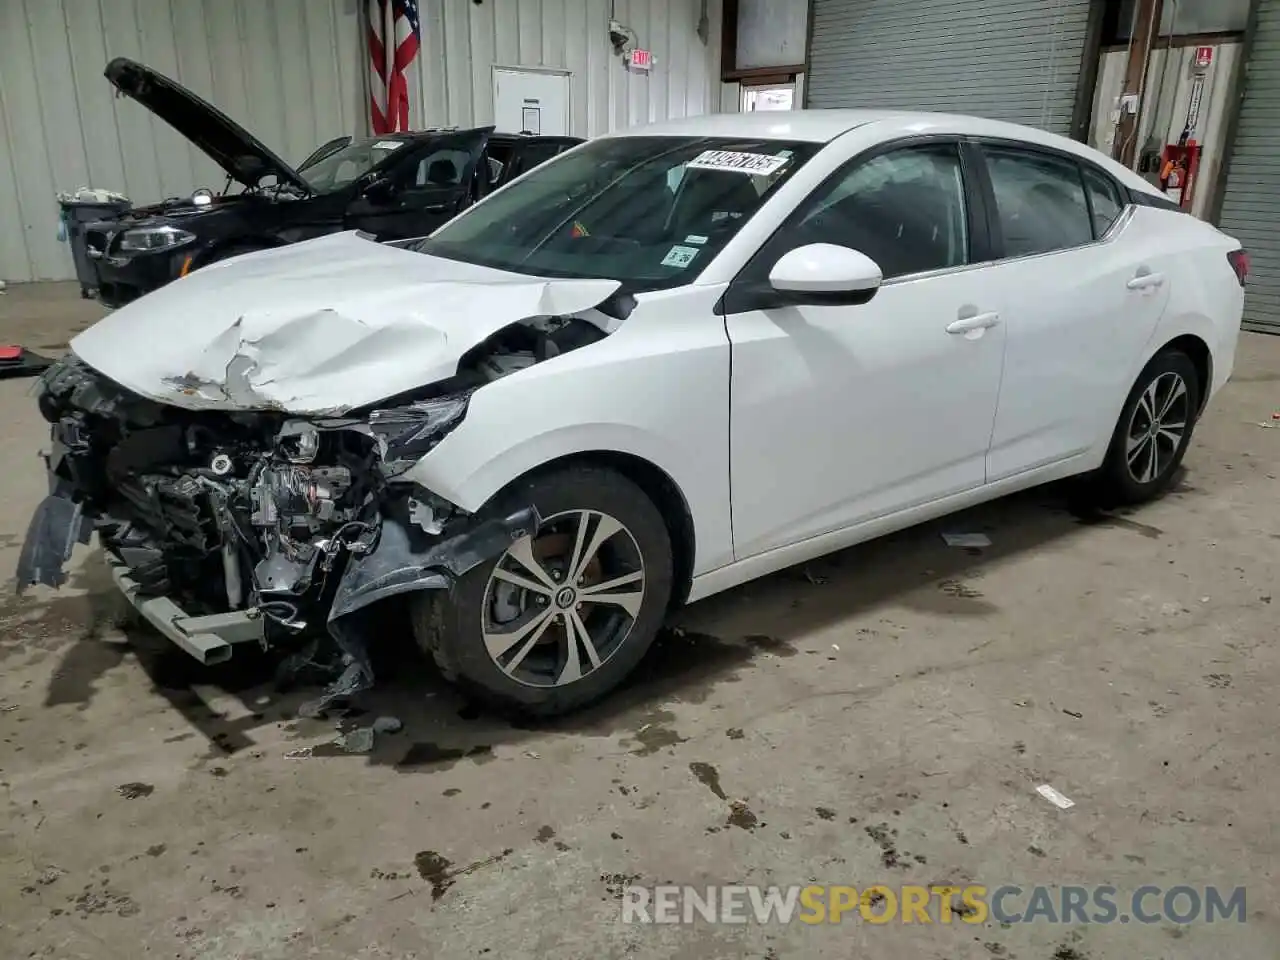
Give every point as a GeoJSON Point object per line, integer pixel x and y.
{"type": "Point", "coordinates": [1204, 56]}
{"type": "Point", "coordinates": [641, 59]}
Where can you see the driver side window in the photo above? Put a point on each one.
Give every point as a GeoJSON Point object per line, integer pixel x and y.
{"type": "Point", "coordinates": [441, 168]}
{"type": "Point", "coordinates": [904, 209]}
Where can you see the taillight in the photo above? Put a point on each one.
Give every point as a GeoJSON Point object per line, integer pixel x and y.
{"type": "Point", "coordinates": [1239, 261]}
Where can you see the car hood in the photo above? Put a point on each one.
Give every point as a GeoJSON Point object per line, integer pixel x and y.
{"type": "Point", "coordinates": [317, 328]}
{"type": "Point", "coordinates": [243, 156]}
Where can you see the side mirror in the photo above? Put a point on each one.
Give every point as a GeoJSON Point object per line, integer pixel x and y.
{"type": "Point", "coordinates": [824, 271]}
{"type": "Point", "coordinates": [381, 190]}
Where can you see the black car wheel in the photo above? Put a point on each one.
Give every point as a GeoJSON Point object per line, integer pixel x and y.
{"type": "Point", "coordinates": [564, 614]}
{"type": "Point", "coordinates": [1153, 432]}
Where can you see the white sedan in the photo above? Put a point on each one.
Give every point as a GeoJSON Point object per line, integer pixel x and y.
{"type": "Point", "coordinates": [668, 362]}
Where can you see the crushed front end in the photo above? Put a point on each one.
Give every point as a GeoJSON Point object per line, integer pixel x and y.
{"type": "Point", "coordinates": [224, 527]}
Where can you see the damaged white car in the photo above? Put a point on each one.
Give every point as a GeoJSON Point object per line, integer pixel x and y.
{"type": "Point", "coordinates": [665, 363]}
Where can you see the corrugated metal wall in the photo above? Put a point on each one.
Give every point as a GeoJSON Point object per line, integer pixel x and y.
{"type": "Point", "coordinates": [1251, 197]}
{"type": "Point", "coordinates": [294, 73]}
{"type": "Point", "coordinates": [462, 42]}
{"type": "Point", "coordinates": [1012, 60]}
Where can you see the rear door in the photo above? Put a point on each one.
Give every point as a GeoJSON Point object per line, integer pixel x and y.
{"type": "Point", "coordinates": [417, 191]}
{"type": "Point", "coordinates": [1082, 295]}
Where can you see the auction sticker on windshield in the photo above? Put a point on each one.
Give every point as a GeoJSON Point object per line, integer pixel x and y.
{"type": "Point", "coordinates": [679, 256]}
{"type": "Point", "coordinates": [756, 164]}
{"type": "Point", "coordinates": [388, 145]}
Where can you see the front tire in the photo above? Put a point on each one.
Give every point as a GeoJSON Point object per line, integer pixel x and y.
{"type": "Point", "coordinates": [565, 614]}
{"type": "Point", "coordinates": [1153, 432]}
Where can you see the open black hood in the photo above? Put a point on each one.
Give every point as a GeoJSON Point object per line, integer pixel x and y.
{"type": "Point", "coordinates": [245, 158]}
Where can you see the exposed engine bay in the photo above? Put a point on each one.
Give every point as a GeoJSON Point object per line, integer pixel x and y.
{"type": "Point", "coordinates": [302, 521]}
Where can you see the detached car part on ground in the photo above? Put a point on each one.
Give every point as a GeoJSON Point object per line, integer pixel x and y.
{"type": "Point", "coordinates": [528, 423]}
{"type": "Point", "coordinates": [394, 187]}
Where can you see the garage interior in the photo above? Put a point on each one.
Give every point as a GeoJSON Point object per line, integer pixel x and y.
{"type": "Point", "coordinates": [882, 716]}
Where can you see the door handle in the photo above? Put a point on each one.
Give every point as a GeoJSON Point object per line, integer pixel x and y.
{"type": "Point", "coordinates": [979, 321]}
{"type": "Point", "coordinates": [1146, 281]}
{"type": "Point", "coordinates": [436, 208]}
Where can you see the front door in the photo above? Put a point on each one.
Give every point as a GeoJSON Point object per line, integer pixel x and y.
{"type": "Point", "coordinates": [414, 193]}
{"type": "Point", "coordinates": [844, 413]}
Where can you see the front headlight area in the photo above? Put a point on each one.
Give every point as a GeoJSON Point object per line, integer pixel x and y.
{"type": "Point", "coordinates": [153, 239]}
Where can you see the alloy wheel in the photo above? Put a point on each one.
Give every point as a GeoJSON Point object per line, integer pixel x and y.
{"type": "Point", "coordinates": [1157, 427]}
{"type": "Point", "coordinates": [561, 602]}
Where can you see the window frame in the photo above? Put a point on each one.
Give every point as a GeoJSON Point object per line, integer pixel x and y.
{"type": "Point", "coordinates": [976, 145]}
{"type": "Point", "coordinates": [750, 288]}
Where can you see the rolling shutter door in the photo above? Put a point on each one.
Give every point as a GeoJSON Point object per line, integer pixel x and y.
{"type": "Point", "coordinates": [1251, 197]}
{"type": "Point", "coordinates": [1015, 60]}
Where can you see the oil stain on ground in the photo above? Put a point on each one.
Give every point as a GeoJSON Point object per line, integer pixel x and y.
{"type": "Point", "coordinates": [655, 734]}
{"type": "Point", "coordinates": [437, 869]}
{"type": "Point", "coordinates": [709, 777]}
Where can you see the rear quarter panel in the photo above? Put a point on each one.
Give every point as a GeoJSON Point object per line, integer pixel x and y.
{"type": "Point", "coordinates": [1205, 297]}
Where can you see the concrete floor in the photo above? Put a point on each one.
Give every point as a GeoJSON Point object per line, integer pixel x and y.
{"type": "Point", "coordinates": [1129, 661]}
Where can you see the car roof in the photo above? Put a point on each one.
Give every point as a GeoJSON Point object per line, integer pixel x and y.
{"type": "Point", "coordinates": [823, 126]}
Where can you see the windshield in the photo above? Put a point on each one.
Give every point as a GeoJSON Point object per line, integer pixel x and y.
{"type": "Point", "coordinates": [352, 161]}
{"type": "Point", "coordinates": [649, 211]}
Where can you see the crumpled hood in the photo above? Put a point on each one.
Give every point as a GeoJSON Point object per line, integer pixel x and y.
{"type": "Point", "coordinates": [318, 327]}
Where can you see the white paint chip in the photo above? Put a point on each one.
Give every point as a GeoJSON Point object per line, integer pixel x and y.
{"type": "Point", "coordinates": [1054, 797]}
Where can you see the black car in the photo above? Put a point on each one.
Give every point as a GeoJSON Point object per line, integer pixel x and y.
{"type": "Point", "coordinates": [395, 187]}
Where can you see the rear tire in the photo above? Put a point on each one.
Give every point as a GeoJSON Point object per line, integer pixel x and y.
{"type": "Point", "coordinates": [564, 615]}
{"type": "Point", "coordinates": [1153, 432]}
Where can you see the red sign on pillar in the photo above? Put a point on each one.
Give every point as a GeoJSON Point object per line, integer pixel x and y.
{"type": "Point", "coordinates": [1204, 57]}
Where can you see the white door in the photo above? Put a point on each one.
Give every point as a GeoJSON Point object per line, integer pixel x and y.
{"type": "Point", "coordinates": [845, 413]}
{"type": "Point", "coordinates": [1082, 298]}
{"type": "Point", "coordinates": [773, 97]}
{"type": "Point", "coordinates": [531, 101]}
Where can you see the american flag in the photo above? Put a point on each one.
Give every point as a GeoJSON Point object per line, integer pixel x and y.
{"type": "Point", "coordinates": [388, 88]}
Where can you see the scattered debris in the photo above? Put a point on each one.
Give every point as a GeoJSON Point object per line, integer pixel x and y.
{"type": "Point", "coordinates": [815, 579]}
{"type": "Point", "coordinates": [388, 725]}
{"type": "Point", "coordinates": [835, 648]}
{"type": "Point", "coordinates": [302, 753]}
{"type": "Point", "coordinates": [1269, 426]}
{"type": "Point", "coordinates": [1022, 702]}
{"type": "Point", "coordinates": [534, 755]}
{"type": "Point", "coordinates": [973, 540]}
{"type": "Point", "coordinates": [1073, 713]}
{"type": "Point", "coordinates": [1054, 797]}
{"type": "Point", "coordinates": [359, 740]}
{"type": "Point", "coordinates": [735, 733]}
{"type": "Point", "coordinates": [135, 791]}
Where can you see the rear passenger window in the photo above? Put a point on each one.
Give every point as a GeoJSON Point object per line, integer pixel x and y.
{"type": "Point", "coordinates": [1104, 199]}
{"type": "Point", "coordinates": [1040, 200]}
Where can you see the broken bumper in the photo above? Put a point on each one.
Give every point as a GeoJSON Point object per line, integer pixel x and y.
{"type": "Point", "coordinates": [208, 638]}
{"type": "Point", "coordinates": [58, 525]}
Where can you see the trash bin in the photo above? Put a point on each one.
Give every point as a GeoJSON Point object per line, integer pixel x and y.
{"type": "Point", "coordinates": [75, 212]}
